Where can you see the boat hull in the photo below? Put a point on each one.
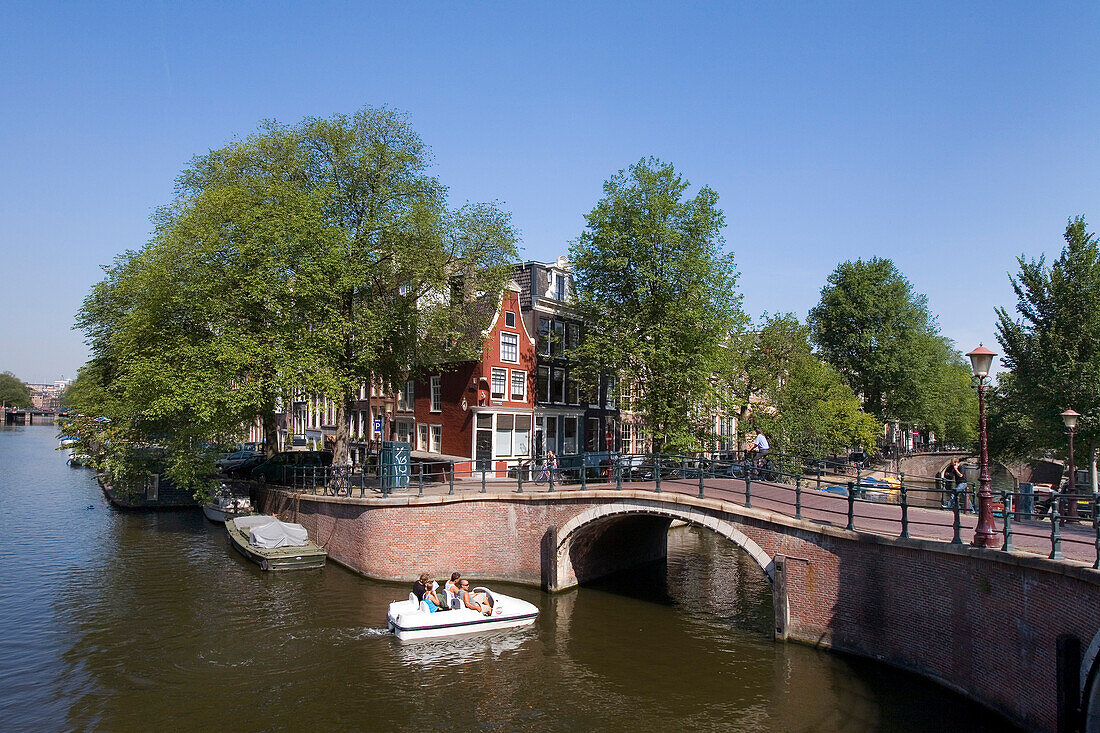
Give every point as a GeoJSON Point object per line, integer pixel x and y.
{"type": "Point", "coordinates": [281, 558]}
{"type": "Point", "coordinates": [221, 516]}
{"type": "Point", "coordinates": [408, 623]}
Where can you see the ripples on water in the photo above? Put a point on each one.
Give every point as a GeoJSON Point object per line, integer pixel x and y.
{"type": "Point", "coordinates": [134, 621]}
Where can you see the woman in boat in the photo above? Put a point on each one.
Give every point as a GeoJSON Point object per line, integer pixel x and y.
{"type": "Point", "coordinates": [431, 598]}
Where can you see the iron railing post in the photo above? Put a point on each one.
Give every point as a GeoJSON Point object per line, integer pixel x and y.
{"type": "Point", "coordinates": [798, 497]}
{"type": "Point", "coordinates": [957, 539]}
{"type": "Point", "coordinates": [452, 489]}
{"type": "Point", "coordinates": [584, 473]}
{"type": "Point", "coordinates": [904, 509]}
{"type": "Point", "coordinates": [519, 477]}
{"type": "Point", "coordinates": [550, 474]}
{"type": "Point", "coordinates": [420, 479]}
{"type": "Point", "coordinates": [701, 495]}
{"type": "Point", "coordinates": [1006, 514]}
{"type": "Point", "coordinates": [483, 480]}
{"type": "Point", "coordinates": [657, 471]}
{"type": "Point", "coordinates": [851, 505]}
{"type": "Point", "coordinates": [1055, 527]}
{"type": "Point", "coordinates": [748, 490]}
{"type": "Point", "coordinates": [618, 475]}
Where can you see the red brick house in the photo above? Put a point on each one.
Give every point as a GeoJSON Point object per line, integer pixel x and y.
{"type": "Point", "coordinates": [483, 410]}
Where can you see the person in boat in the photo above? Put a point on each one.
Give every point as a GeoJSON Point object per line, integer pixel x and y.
{"type": "Point", "coordinates": [452, 584]}
{"type": "Point", "coordinates": [432, 599]}
{"type": "Point", "coordinates": [420, 586]}
{"type": "Point", "coordinates": [474, 601]}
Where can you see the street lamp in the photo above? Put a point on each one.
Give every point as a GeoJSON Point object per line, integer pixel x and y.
{"type": "Point", "coordinates": [981, 359]}
{"type": "Point", "coordinates": [1069, 417]}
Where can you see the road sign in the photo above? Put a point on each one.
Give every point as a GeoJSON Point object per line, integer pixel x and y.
{"type": "Point", "coordinates": [377, 424]}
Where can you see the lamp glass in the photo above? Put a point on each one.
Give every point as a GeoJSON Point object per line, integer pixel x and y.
{"type": "Point", "coordinates": [1069, 417]}
{"type": "Point", "coordinates": [981, 360]}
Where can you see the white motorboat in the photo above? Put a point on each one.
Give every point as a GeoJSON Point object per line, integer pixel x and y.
{"type": "Point", "coordinates": [224, 507]}
{"type": "Point", "coordinates": [411, 619]}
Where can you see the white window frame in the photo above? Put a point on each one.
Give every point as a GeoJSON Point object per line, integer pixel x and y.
{"type": "Point", "coordinates": [522, 383]}
{"type": "Point", "coordinates": [437, 394]}
{"type": "Point", "coordinates": [493, 373]}
{"type": "Point", "coordinates": [422, 436]}
{"type": "Point", "coordinates": [513, 339]}
{"type": "Point", "coordinates": [510, 319]}
{"type": "Point", "coordinates": [435, 438]}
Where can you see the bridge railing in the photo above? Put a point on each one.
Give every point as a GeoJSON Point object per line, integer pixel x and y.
{"type": "Point", "coordinates": [841, 493]}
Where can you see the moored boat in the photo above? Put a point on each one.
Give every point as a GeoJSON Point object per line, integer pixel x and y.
{"type": "Point", "coordinates": [274, 545]}
{"type": "Point", "coordinates": [221, 508]}
{"type": "Point", "coordinates": [411, 619]}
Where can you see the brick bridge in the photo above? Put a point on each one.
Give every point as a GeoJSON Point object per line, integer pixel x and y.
{"type": "Point", "coordinates": [986, 623]}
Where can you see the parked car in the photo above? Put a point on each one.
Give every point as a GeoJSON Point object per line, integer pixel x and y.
{"type": "Point", "coordinates": [277, 469]}
{"type": "Point", "coordinates": [238, 460]}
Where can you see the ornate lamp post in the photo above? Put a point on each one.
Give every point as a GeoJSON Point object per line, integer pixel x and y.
{"type": "Point", "coordinates": [1069, 417]}
{"type": "Point", "coordinates": [981, 359]}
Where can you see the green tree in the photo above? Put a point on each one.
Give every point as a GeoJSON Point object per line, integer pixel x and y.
{"type": "Point", "coordinates": [878, 333]}
{"type": "Point", "coordinates": [807, 409]}
{"type": "Point", "coordinates": [13, 391]}
{"type": "Point", "coordinates": [658, 295]}
{"type": "Point", "coordinates": [1051, 351]}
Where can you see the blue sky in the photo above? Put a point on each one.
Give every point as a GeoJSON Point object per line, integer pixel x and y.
{"type": "Point", "coordinates": [950, 137]}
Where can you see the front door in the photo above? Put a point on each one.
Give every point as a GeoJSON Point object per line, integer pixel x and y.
{"type": "Point", "coordinates": [483, 443]}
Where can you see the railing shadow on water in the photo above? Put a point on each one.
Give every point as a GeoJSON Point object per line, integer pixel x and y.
{"type": "Point", "coordinates": [839, 491]}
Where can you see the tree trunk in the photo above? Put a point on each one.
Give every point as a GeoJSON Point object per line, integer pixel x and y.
{"type": "Point", "coordinates": [271, 432]}
{"type": "Point", "coordinates": [343, 429]}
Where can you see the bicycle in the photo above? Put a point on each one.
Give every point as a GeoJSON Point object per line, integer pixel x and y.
{"type": "Point", "coordinates": [546, 472]}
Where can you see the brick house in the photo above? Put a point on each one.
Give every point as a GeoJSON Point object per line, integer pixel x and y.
{"type": "Point", "coordinates": [482, 410]}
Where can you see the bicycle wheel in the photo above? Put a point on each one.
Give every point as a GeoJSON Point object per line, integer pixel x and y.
{"type": "Point", "coordinates": [541, 477]}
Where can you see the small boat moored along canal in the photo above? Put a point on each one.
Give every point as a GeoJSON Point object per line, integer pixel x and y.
{"type": "Point", "coordinates": [225, 507]}
{"type": "Point", "coordinates": [274, 545]}
{"type": "Point", "coordinates": [411, 619]}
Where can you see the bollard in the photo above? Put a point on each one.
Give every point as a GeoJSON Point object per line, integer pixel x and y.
{"type": "Point", "coordinates": [904, 509]}
{"type": "Point", "coordinates": [657, 471]}
{"type": "Point", "coordinates": [452, 490]}
{"type": "Point", "coordinates": [420, 479]}
{"type": "Point", "coordinates": [483, 480]}
{"type": "Point", "coordinates": [618, 476]}
{"type": "Point", "coordinates": [851, 505]}
{"type": "Point", "coordinates": [798, 496]}
{"type": "Point", "coordinates": [748, 490]}
{"type": "Point", "coordinates": [550, 472]}
{"type": "Point", "coordinates": [957, 539]}
{"type": "Point", "coordinates": [1006, 513]}
{"type": "Point", "coordinates": [1055, 528]}
{"type": "Point", "coordinates": [519, 478]}
{"type": "Point", "coordinates": [584, 474]}
{"type": "Point", "coordinates": [701, 496]}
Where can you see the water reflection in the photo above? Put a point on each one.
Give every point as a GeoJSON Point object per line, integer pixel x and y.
{"type": "Point", "coordinates": [124, 621]}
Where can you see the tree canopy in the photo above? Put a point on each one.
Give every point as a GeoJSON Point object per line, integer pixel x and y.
{"type": "Point", "coordinates": [657, 293]}
{"type": "Point", "coordinates": [1051, 349]}
{"type": "Point", "coordinates": [308, 257]}
{"type": "Point", "coordinates": [13, 391]}
{"type": "Point", "coordinates": [878, 333]}
{"type": "Point", "coordinates": [806, 407]}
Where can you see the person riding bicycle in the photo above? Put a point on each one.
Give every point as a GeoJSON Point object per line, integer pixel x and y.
{"type": "Point", "coordinates": [759, 449]}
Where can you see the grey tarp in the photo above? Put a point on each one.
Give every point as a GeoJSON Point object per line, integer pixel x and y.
{"type": "Point", "coordinates": [269, 532]}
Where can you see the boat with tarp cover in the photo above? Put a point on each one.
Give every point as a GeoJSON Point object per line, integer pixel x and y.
{"type": "Point", "coordinates": [274, 545]}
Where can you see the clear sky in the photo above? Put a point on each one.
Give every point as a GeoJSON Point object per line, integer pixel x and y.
{"type": "Point", "coordinates": [950, 137]}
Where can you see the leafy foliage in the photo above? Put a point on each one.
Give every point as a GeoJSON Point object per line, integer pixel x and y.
{"type": "Point", "coordinates": [1052, 351]}
{"type": "Point", "coordinates": [878, 333]}
{"type": "Point", "coordinates": [13, 391]}
{"type": "Point", "coordinates": [658, 297]}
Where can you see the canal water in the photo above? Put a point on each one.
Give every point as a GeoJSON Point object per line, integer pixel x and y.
{"type": "Point", "coordinates": [122, 621]}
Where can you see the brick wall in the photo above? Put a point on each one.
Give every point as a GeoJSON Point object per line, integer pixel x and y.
{"type": "Point", "coordinates": [979, 621]}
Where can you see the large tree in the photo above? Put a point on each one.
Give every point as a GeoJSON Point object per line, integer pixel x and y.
{"type": "Point", "coordinates": [13, 391]}
{"type": "Point", "coordinates": [658, 296]}
{"type": "Point", "coordinates": [1051, 350]}
{"type": "Point", "coordinates": [877, 331]}
{"type": "Point", "coordinates": [806, 408]}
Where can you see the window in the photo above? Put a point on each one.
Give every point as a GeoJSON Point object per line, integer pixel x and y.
{"type": "Point", "coordinates": [509, 319]}
{"type": "Point", "coordinates": [436, 444]}
{"type": "Point", "coordinates": [405, 400]}
{"type": "Point", "coordinates": [422, 436]}
{"type": "Point", "coordinates": [519, 385]}
{"type": "Point", "coordinates": [542, 385]}
{"type": "Point", "coordinates": [572, 391]}
{"type": "Point", "coordinates": [557, 387]}
{"type": "Point", "coordinates": [545, 325]}
{"type": "Point", "coordinates": [404, 431]}
{"type": "Point", "coordinates": [609, 401]}
{"type": "Point", "coordinates": [559, 289]}
{"type": "Point", "coordinates": [569, 445]}
{"type": "Point", "coordinates": [522, 443]}
{"type": "Point", "coordinates": [503, 441]}
{"type": "Point", "coordinates": [509, 348]}
{"type": "Point", "coordinates": [500, 377]}
{"type": "Point", "coordinates": [559, 338]}
{"type": "Point", "coordinates": [437, 395]}
{"type": "Point", "coordinates": [572, 336]}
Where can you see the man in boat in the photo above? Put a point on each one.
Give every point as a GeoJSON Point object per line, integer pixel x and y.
{"type": "Point", "coordinates": [474, 601]}
{"type": "Point", "coordinates": [420, 586]}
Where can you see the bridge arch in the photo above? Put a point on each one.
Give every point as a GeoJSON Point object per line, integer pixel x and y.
{"type": "Point", "coordinates": [568, 531]}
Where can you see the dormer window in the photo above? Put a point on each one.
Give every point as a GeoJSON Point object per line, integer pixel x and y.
{"type": "Point", "coordinates": [559, 291]}
{"type": "Point", "coordinates": [510, 319]}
